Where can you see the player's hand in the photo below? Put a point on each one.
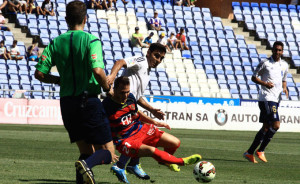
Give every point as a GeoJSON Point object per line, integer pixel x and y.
{"type": "Point", "coordinates": [162, 124]}
{"type": "Point", "coordinates": [114, 158]}
{"type": "Point", "coordinates": [110, 93]}
{"type": "Point", "coordinates": [158, 114]}
{"type": "Point", "coordinates": [269, 85]}
{"type": "Point", "coordinates": [286, 92]}
{"type": "Point", "coordinates": [110, 79]}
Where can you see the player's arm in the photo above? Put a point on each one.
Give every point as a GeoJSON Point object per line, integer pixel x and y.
{"type": "Point", "coordinates": [258, 71]}
{"type": "Point", "coordinates": [145, 119]}
{"type": "Point", "coordinates": [115, 69]}
{"type": "Point", "coordinates": [284, 83]}
{"type": "Point", "coordinates": [156, 112]}
{"type": "Point", "coordinates": [43, 68]}
{"type": "Point", "coordinates": [100, 76]}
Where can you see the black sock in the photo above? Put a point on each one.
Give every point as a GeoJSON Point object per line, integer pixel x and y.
{"type": "Point", "coordinates": [267, 139]}
{"type": "Point", "coordinates": [134, 161]}
{"type": "Point", "coordinates": [257, 140]}
{"type": "Point", "coordinates": [122, 161]}
{"type": "Point", "coordinates": [79, 179]}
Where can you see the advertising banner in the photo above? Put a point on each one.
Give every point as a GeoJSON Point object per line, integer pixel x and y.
{"type": "Point", "coordinates": [23, 111]}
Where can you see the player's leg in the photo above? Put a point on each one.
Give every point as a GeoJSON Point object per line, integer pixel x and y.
{"type": "Point", "coordinates": [170, 144]}
{"type": "Point", "coordinates": [164, 157]}
{"type": "Point", "coordinates": [263, 118]}
{"type": "Point", "coordinates": [275, 125]}
{"type": "Point", "coordinates": [85, 150]}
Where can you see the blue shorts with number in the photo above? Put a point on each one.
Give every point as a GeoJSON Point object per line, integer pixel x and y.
{"type": "Point", "coordinates": [268, 111]}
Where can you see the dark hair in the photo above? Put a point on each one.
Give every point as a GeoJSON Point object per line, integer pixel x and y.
{"type": "Point", "coordinates": [15, 41]}
{"type": "Point", "coordinates": [34, 41]}
{"type": "Point", "coordinates": [123, 80]}
{"type": "Point", "coordinates": [75, 13]}
{"type": "Point", "coordinates": [157, 46]}
{"type": "Point", "coordinates": [181, 29]}
{"type": "Point", "coordinates": [2, 41]}
{"type": "Point", "coordinates": [278, 43]}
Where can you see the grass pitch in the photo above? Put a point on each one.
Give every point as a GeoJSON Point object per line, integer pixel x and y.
{"type": "Point", "coordinates": [43, 155]}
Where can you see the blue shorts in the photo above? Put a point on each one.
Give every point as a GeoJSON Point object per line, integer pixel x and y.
{"type": "Point", "coordinates": [89, 124]}
{"type": "Point", "coordinates": [3, 28]}
{"type": "Point", "coordinates": [35, 57]}
{"type": "Point", "coordinates": [268, 111]}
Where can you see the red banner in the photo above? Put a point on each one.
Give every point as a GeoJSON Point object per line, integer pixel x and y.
{"type": "Point", "coordinates": [23, 111]}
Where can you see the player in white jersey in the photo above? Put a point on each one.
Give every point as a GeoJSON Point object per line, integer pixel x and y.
{"type": "Point", "coordinates": [273, 73]}
{"type": "Point", "coordinates": [137, 69]}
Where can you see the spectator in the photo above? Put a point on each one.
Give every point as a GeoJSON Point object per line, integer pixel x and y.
{"type": "Point", "coordinates": [193, 2]}
{"type": "Point", "coordinates": [181, 40]}
{"type": "Point", "coordinates": [148, 39]}
{"type": "Point", "coordinates": [155, 23]}
{"type": "Point", "coordinates": [32, 7]}
{"type": "Point", "coordinates": [46, 9]}
{"type": "Point", "coordinates": [14, 52]}
{"type": "Point", "coordinates": [137, 38]}
{"type": "Point", "coordinates": [172, 41]}
{"type": "Point", "coordinates": [33, 51]}
{"type": "Point", "coordinates": [162, 40]}
{"type": "Point", "coordinates": [107, 6]}
{"type": "Point", "coordinates": [23, 6]}
{"type": "Point", "coordinates": [3, 5]}
{"type": "Point", "coordinates": [14, 6]}
{"type": "Point", "coordinates": [2, 22]}
{"type": "Point", "coordinates": [3, 52]}
{"type": "Point", "coordinates": [94, 4]}
{"type": "Point", "coordinates": [183, 3]}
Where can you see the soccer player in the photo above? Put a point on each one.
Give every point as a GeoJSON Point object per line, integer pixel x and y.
{"type": "Point", "coordinates": [78, 57]}
{"type": "Point", "coordinates": [273, 73]}
{"type": "Point", "coordinates": [138, 70]}
{"type": "Point", "coordinates": [135, 134]}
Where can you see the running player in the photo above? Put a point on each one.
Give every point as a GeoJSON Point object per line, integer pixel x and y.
{"type": "Point", "coordinates": [273, 73]}
{"type": "Point", "coordinates": [135, 134]}
{"type": "Point", "coordinates": [138, 70]}
{"type": "Point", "coordinates": [78, 57]}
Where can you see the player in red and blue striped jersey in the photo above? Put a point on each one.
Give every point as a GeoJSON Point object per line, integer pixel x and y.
{"type": "Point", "coordinates": [135, 134]}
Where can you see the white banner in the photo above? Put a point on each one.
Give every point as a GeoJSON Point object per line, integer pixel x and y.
{"type": "Point", "coordinates": [224, 118]}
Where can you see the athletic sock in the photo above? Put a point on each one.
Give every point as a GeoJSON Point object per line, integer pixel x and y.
{"type": "Point", "coordinates": [122, 161]}
{"type": "Point", "coordinates": [172, 150]}
{"type": "Point", "coordinates": [164, 157]}
{"type": "Point", "coordinates": [79, 179]}
{"type": "Point", "coordinates": [134, 161]}
{"type": "Point", "coordinates": [257, 140]}
{"type": "Point", "coordinates": [267, 139]}
{"type": "Point", "coordinates": [99, 157]}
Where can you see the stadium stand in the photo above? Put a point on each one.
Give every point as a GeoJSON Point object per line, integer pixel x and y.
{"type": "Point", "coordinates": [218, 64]}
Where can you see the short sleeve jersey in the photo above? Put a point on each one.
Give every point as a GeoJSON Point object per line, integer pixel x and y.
{"type": "Point", "coordinates": [156, 21]}
{"type": "Point", "coordinates": [272, 71]}
{"type": "Point", "coordinates": [148, 40]}
{"type": "Point", "coordinates": [48, 6]}
{"type": "Point", "coordinates": [75, 54]}
{"type": "Point", "coordinates": [182, 37]}
{"type": "Point", "coordinates": [162, 41]}
{"type": "Point", "coordinates": [138, 74]}
{"type": "Point", "coordinates": [123, 118]}
{"type": "Point", "coordinates": [14, 50]}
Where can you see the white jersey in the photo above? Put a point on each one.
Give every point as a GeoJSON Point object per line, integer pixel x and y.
{"type": "Point", "coordinates": [271, 71]}
{"type": "Point", "coordinates": [138, 74]}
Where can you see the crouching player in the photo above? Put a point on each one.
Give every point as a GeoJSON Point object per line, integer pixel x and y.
{"type": "Point", "coordinates": [134, 138]}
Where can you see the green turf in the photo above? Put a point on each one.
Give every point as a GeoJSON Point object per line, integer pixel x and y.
{"type": "Point", "coordinates": [43, 154]}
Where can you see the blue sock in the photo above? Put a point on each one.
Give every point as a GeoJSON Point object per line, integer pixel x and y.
{"type": "Point", "coordinates": [267, 139]}
{"type": "Point", "coordinates": [257, 140]}
{"type": "Point", "coordinates": [122, 161]}
{"type": "Point", "coordinates": [99, 157]}
{"type": "Point", "coordinates": [134, 161]}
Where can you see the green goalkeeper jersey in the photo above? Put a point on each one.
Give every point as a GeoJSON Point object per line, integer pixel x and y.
{"type": "Point", "coordinates": [75, 54]}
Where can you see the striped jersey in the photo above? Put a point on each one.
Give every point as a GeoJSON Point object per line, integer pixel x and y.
{"type": "Point", "coordinates": [156, 21]}
{"type": "Point", "coordinates": [123, 118]}
{"type": "Point", "coordinates": [138, 74]}
{"type": "Point", "coordinates": [272, 71]}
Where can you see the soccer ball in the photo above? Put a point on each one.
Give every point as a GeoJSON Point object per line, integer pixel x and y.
{"type": "Point", "coordinates": [204, 172]}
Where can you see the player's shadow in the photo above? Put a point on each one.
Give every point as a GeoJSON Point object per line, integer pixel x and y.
{"type": "Point", "coordinates": [49, 181]}
{"type": "Point", "coordinates": [227, 160]}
